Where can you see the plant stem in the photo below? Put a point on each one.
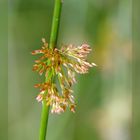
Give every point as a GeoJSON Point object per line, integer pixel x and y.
{"type": "Point", "coordinates": [55, 23]}
{"type": "Point", "coordinates": [52, 44]}
{"type": "Point", "coordinates": [44, 121]}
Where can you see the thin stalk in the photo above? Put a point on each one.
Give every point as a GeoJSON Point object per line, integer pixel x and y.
{"type": "Point", "coordinates": [52, 44]}
{"type": "Point", "coordinates": [44, 121]}
{"type": "Point", "coordinates": [55, 23]}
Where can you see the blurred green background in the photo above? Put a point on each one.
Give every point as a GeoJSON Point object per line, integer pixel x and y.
{"type": "Point", "coordinates": [103, 96]}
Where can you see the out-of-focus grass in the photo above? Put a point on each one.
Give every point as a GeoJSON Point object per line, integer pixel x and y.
{"type": "Point", "coordinates": [103, 96]}
{"type": "Point", "coordinates": [136, 69]}
{"type": "Point", "coordinates": [3, 69]}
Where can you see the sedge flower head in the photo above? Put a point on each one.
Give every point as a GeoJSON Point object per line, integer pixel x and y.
{"type": "Point", "coordinates": [61, 64]}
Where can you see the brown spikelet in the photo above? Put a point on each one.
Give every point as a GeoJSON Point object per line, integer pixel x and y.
{"type": "Point", "coordinates": [61, 64]}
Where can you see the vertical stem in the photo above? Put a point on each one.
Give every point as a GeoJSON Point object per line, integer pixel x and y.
{"type": "Point", "coordinates": [44, 121]}
{"type": "Point", "coordinates": [52, 44]}
{"type": "Point", "coordinates": [55, 23]}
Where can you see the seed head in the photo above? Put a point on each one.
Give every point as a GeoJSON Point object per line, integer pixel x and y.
{"type": "Point", "coordinates": [63, 64]}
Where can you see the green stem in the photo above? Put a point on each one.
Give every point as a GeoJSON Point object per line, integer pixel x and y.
{"type": "Point", "coordinates": [44, 121]}
{"type": "Point", "coordinates": [55, 23]}
{"type": "Point", "coordinates": [52, 44]}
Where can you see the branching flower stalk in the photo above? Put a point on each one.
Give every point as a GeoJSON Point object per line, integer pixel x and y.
{"type": "Point", "coordinates": [61, 65]}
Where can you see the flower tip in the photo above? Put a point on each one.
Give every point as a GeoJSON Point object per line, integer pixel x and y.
{"type": "Point", "coordinates": [39, 98]}
{"type": "Point", "coordinates": [72, 108]}
{"type": "Point", "coordinates": [35, 67]}
{"type": "Point", "coordinates": [93, 64]}
{"type": "Point", "coordinates": [37, 61]}
{"type": "Point", "coordinates": [36, 85]}
{"type": "Point", "coordinates": [43, 40]}
{"type": "Point", "coordinates": [33, 53]}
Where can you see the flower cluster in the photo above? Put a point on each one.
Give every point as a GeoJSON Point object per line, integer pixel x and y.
{"type": "Point", "coordinates": [60, 64]}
